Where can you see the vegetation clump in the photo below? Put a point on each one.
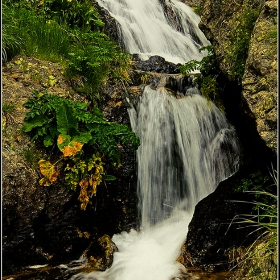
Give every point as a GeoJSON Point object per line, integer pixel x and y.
{"type": "Point", "coordinates": [85, 140]}
{"type": "Point", "coordinates": [206, 80]}
{"type": "Point", "coordinates": [67, 32]}
{"type": "Point", "coordinates": [259, 260]}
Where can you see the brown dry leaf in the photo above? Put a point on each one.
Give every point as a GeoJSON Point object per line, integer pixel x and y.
{"type": "Point", "coordinates": [83, 196]}
{"type": "Point", "coordinates": [93, 183]}
{"type": "Point", "coordinates": [60, 139]}
{"type": "Point", "coordinates": [49, 172]}
{"type": "Point", "coordinates": [72, 149]}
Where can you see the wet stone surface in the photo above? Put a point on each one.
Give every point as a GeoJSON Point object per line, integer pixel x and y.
{"type": "Point", "coordinates": [58, 273]}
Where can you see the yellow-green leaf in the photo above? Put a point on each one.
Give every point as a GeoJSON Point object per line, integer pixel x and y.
{"type": "Point", "coordinates": [49, 172]}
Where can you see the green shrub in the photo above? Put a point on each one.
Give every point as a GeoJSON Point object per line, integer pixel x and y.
{"type": "Point", "coordinates": [255, 182]}
{"type": "Point", "coordinates": [75, 14]}
{"type": "Point", "coordinates": [197, 9]}
{"type": "Point", "coordinates": [207, 65]}
{"type": "Point", "coordinates": [91, 60]}
{"type": "Point", "coordinates": [209, 90]}
{"type": "Point", "coordinates": [68, 32]}
{"type": "Point", "coordinates": [84, 138]}
{"type": "Point", "coordinates": [206, 82]}
{"type": "Point", "coordinates": [8, 107]}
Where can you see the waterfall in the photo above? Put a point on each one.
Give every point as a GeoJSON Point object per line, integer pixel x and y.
{"type": "Point", "coordinates": [187, 148]}
{"type": "Point", "coordinates": [144, 28]}
{"type": "Point", "coordinates": [187, 145]}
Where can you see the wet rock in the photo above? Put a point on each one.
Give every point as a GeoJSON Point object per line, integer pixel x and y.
{"type": "Point", "coordinates": [170, 15]}
{"type": "Point", "coordinates": [100, 253]}
{"type": "Point", "coordinates": [110, 27]}
{"type": "Point", "coordinates": [155, 64]}
{"type": "Point", "coordinates": [45, 225]}
{"type": "Point", "coordinates": [259, 94]}
{"type": "Point", "coordinates": [214, 231]}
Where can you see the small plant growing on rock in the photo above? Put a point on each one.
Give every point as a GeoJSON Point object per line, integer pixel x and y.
{"type": "Point", "coordinates": [85, 140]}
{"type": "Point", "coordinates": [206, 81]}
{"type": "Point", "coordinates": [259, 261]}
{"type": "Point", "coordinates": [8, 107]}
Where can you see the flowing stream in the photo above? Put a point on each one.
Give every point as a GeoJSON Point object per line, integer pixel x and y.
{"type": "Point", "coordinates": [187, 148]}
{"type": "Point", "coordinates": [187, 145]}
{"type": "Point", "coordinates": [145, 28]}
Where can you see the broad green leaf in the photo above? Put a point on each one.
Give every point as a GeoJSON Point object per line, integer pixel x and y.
{"type": "Point", "coordinates": [66, 122]}
{"type": "Point", "coordinates": [37, 121]}
{"type": "Point", "coordinates": [83, 137]}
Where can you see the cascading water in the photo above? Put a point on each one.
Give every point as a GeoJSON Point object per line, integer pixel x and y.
{"type": "Point", "coordinates": [187, 148]}
{"type": "Point", "coordinates": [144, 29]}
{"type": "Point", "coordinates": [187, 145]}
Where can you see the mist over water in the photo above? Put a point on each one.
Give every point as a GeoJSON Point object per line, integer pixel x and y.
{"type": "Point", "coordinates": [187, 148]}
{"type": "Point", "coordinates": [144, 29]}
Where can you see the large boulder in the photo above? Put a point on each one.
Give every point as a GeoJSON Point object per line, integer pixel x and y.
{"type": "Point", "coordinates": [155, 64]}
{"type": "Point", "coordinates": [257, 97]}
{"type": "Point", "coordinates": [217, 228]}
{"type": "Point", "coordinates": [259, 82]}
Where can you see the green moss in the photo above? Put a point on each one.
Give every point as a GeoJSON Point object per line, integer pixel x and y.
{"type": "Point", "coordinates": [197, 9]}
{"type": "Point", "coordinates": [8, 107]}
{"type": "Point", "coordinates": [32, 157]}
{"type": "Point", "coordinates": [209, 90]}
{"type": "Point", "coordinates": [237, 50]}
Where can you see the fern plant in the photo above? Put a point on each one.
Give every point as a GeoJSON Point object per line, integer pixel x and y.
{"type": "Point", "coordinates": [85, 139]}
{"type": "Point", "coordinates": [207, 80]}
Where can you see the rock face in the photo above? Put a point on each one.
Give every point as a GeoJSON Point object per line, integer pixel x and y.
{"type": "Point", "coordinates": [260, 78]}
{"type": "Point", "coordinates": [259, 83]}
{"type": "Point", "coordinates": [217, 20]}
{"type": "Point", "coordinates": [214, 231]}
{"type": "Point", "coordinates": [155, 64]}
{"type": "Point", "coordinates": [45, 224]}
{"type": "Point", "coordinates": [251, 106]}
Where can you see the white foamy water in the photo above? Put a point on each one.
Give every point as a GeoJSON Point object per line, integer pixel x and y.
{"type": "Point", "coordinates": [148, 255]}
{"type": "Point", "coordinates": [144, 29]}
{"type": "Point", "coordinates": [187, 148]}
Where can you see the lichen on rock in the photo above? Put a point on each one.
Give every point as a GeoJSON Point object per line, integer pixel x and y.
{"type": "Point", "coordinates": [260, 78]}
